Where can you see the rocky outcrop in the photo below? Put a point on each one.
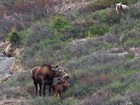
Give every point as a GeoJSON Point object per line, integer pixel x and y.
{"type": "Point", "coordinates": [12, 52]}
{"type": "Point", "coordinates": [116, 50]}
{"type": "Point", "coordinates": [5, 64]}
{"type": "Point", "coordinates": [135, 51]}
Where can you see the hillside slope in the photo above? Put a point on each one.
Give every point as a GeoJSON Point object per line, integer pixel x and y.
{"type": "Point", "coordinates": [99, 49]}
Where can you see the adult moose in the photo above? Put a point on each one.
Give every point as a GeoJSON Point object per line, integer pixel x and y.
{"type": "Point", "coordinates": [44, 75]}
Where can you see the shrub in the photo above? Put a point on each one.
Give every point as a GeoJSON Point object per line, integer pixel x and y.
{"type": "Point", "coordinates": [99, 29]}
{"type": "Point", "coordinates": [59, 23]}
{"type": "Point", "coordinates": [101, 15]}
{"type": "Point", "coordinates": [131, 38]}
{"type": "Point", "coordinates": [14, 37]}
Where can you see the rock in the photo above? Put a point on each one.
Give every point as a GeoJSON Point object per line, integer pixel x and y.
{"type": "Point", "coordinates": [5, 72]}
{"type": "Point", "coordinates": [3, 44]}
{"type": "Point", "coordinates": [5, 65]}
{"type": "Point", "coordinates": [135, 51]}
{"type": "Point", "coordinates": [116, 50]}
{"type": "Point", "coordinates": [9, 51]}
{"type": "Point", "coordinates": [13, 53]}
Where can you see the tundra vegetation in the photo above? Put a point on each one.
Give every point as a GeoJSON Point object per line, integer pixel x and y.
{"type": "Point", "coordinates": [99, 49]}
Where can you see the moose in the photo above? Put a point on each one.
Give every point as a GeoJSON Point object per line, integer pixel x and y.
{"type": "Point", "coordinates": [44, 75]}
{"type": "Point", "coordinates": [59, 88]}
{"type": "Point", "coordinates": [121, 7]}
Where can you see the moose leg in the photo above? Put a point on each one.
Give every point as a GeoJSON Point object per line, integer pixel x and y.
{"type": "Point", "coordinates": [50, 82]}
{"type": "Point", "coordinates": [55, 93]}
{"type": "Point", "coordinates": [40, 86]}
{"type": "Point", "coordinates": [36, 87]}
{"type": "Point", "coordinates": [44, 88]}
{"type": "Point", "coordinates": [64, 93]}
{"type": "Point", "coordinates": [50, 90]}
{"type": "Point", "coordinates": [61, 95]}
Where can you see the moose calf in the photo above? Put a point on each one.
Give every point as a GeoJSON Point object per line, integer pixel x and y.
{"type": "Point", "coordinates": [59, 88]}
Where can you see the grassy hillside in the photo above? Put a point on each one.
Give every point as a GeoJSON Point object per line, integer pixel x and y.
{"type": "Point", "coordinates": [93, 43]}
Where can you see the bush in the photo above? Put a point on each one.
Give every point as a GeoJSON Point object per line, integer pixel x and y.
{"type": "Point", "coordinates": [102, 15]}
{"type": "Point", "coordinates": [134, 13]}
{"type": "Point", "coordinates": [99, 29]}
{"type": "Point", "coordinates": [14, 37]}
{"type": "Point", "coordinates": [131, 38]}
{"type": "Point", "coordinates": [108, 16]}
{"type": "Point", "coordinates": [59, 23]}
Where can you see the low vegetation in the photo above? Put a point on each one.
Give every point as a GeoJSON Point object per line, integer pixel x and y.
{"type": "Point", "coordinates": [14, 37]}
{"type": "Point", "coordinates": [82, 45]}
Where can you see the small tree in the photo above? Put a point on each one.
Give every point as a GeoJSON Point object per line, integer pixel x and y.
{"type": "Point", "coordinates": [59, 23]}
{"type": "Point", "coordinates": [14, 37]}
